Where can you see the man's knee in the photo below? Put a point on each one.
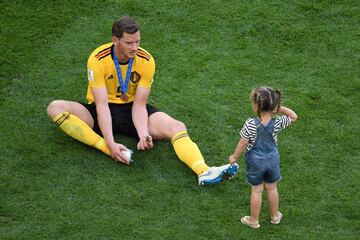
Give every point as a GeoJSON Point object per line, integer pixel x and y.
{"type": "Point", "coordinates": [55, 107]}
{"type": "Point", "coordinates": [163, 126]}
{"type": "Point", "coordinates": [59, 106]}
{"type": "Point", "coordinates": [177, 126]}
{"type": "Point", "coordinates": [180, 126]}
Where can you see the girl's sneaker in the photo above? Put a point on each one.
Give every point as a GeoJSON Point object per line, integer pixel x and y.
{"type": "Point", "coordinates": [276, 219]}
{"type": "Point", "coordinates": [251, 223]}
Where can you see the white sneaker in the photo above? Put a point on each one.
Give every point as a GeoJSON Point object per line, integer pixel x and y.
{"type": "Point", "coordinates": [216, 175]}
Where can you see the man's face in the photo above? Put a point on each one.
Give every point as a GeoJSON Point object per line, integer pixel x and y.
{"type": "Point", "coordinates": [127, 45]}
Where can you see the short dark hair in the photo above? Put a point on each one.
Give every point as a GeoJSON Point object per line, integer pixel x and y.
{"type": "Point", "coordinates": [124, 24]}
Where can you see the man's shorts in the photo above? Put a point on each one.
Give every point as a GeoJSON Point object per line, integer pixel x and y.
{"type": "Point", "coordinates": [121, 118]}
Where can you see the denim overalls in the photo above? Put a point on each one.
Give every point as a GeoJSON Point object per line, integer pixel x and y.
{"type": "Point", "coordinates": [263, 160]}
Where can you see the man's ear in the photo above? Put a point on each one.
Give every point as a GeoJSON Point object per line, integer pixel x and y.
{"type": "Point", "coordinates": [114, 40]}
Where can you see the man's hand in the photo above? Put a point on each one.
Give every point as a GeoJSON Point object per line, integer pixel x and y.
{"type": "Point", "coordinates": [145, 143]}
{"type": "Point", "coordinates": [116, 152]}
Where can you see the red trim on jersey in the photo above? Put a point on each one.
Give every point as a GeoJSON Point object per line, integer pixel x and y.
{"type": "Point", "coordinates": [143, 54]}
{"type": "Point", "coordinates": [99, 55]}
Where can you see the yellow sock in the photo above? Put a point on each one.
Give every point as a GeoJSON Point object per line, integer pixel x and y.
{"type": "Point", "coordinates": [188, 152]}
{"type": "Point", "coordinates": [76, 128]}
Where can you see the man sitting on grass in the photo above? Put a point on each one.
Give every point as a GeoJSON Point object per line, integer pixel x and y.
{"type": "Point", "coordinates": [120, 75]}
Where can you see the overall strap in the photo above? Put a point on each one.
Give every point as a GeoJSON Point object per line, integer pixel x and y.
{"type": "Point", "coordinates": [257, 122]}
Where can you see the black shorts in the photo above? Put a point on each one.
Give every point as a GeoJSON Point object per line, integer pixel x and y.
{"type": "Point", "coordinates": [121, 118]}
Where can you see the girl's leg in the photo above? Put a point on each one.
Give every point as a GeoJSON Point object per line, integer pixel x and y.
{"type": "Point", "coordinates": [255, 201]}
{"type": "Point", "coordinates": [273, 198]}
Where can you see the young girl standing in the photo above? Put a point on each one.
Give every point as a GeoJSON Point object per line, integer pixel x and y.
{"type": "Point", "coordinates": [259, 138]}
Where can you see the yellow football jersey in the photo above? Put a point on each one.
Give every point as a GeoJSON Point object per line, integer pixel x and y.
{"type": "Point", "coordinates": [102, 72]}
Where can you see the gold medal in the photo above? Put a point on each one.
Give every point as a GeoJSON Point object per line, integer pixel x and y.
{"type": "Point", "coordinates": [124, 97]}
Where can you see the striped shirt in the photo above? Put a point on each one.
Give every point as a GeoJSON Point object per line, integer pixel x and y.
{"type": "Point", "coordinates": [248, 132]}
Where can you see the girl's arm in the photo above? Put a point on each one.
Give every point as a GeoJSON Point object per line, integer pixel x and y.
{"type": "Point", "coordinates": [240, 148]}
{"type": "Point", "coordinates": [288, 112]}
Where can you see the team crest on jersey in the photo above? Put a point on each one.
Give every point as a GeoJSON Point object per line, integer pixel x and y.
{"type": "Point", "coordinates": [90, 75]}
{"type": "Point", "coordinates": [135, 77]}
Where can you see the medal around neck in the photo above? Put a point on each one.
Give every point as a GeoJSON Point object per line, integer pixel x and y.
{"type": "Point", "coordinates": [124, 97]}
{"type": "Point", "coordinates": [123, 84]}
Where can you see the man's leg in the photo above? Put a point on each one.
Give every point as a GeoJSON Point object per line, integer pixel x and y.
{"type": "Point", "coordinates": [76, 121]}
{"type": "Point", "coordinates": [162, 126]}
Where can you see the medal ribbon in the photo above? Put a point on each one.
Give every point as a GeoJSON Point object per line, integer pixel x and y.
{"type": "Point", "coordinates": [123, 85]}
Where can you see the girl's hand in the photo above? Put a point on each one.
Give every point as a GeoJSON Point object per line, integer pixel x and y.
{"type": "Point", "coordinates": [232, 159]}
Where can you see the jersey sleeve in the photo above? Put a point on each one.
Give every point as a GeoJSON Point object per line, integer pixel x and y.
{"type": "Point", "coordinates": [96, 73]}
{"type": "Point", "coordinates": [148, 73]}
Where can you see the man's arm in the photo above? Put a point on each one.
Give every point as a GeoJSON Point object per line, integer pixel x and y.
{"type": "Point", "coordinates": [105, 124]}
{"type": "Point", "coordinates": [140, 118]}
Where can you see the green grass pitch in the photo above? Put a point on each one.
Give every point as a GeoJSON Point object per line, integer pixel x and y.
{"type": "Point", "coordinates": [209, 55]}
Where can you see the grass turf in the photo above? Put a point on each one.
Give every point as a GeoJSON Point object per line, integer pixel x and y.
{"type": "Point", "coordinates": [209, 56]}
